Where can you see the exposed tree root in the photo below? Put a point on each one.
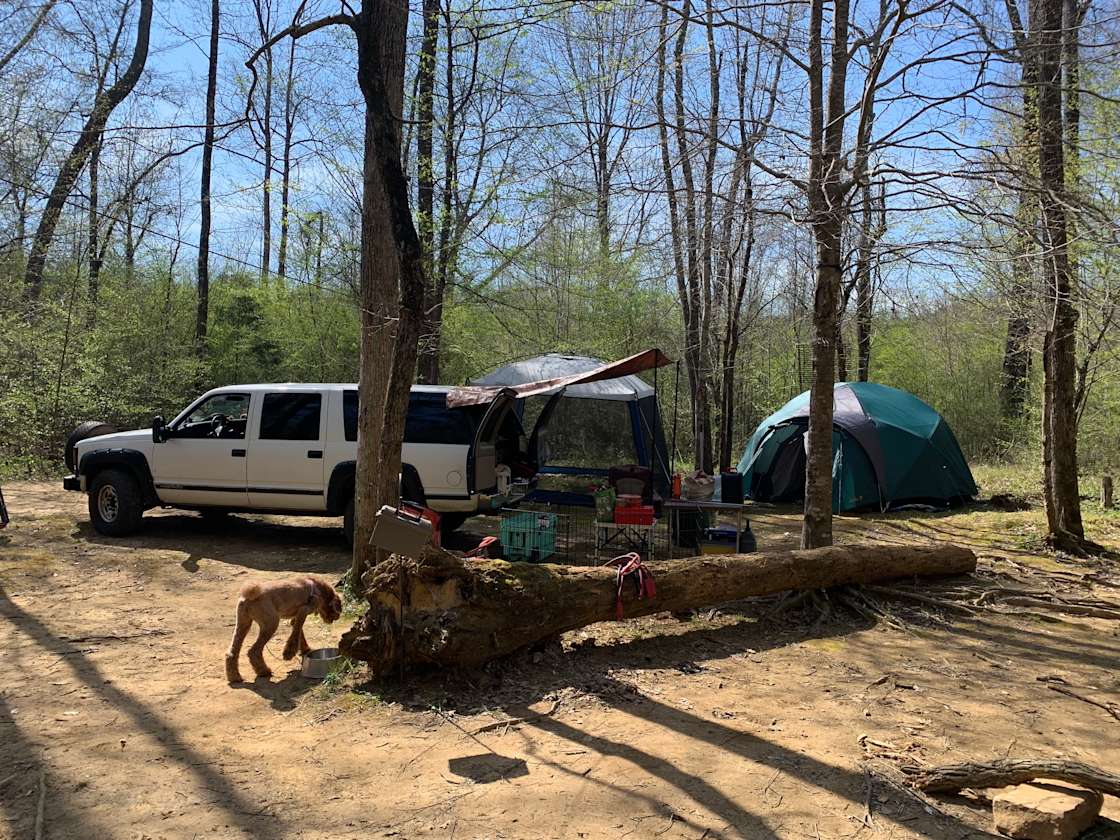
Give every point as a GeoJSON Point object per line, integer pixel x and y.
{"type": "Point", "coordinates": [1000, 773]}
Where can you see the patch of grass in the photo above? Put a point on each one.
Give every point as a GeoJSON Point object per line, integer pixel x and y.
{"type": "Point", "coordinates": [1023, 480]}
{"type": "Point", "coordinates": [354, 606]}
{"type": "Point", "coordinates": [334, 681]}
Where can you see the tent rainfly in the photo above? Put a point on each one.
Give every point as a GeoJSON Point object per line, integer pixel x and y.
{"type": "Point", "coordinates": [596, 425]}
{"type": "Point", "coordinates": [888, 449]}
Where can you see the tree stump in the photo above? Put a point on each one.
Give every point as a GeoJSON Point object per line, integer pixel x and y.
{"type": "Point", "coordinates": [1106, 492]}
{"type": "Point", "coordinates": [446, 610]}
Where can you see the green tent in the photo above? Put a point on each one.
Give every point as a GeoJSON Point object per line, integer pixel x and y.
{"type": "Point", "coordinates": [888, 449]}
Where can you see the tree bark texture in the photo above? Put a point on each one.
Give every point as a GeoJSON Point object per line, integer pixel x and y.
{"type": "Point", "coordinates": [825, 206]}
{"type": "Point", "coordinates": [264, 24]}
{"type": "Point", "coordinates": [392, 272]}
{"type": "Point", "coordinates": [1060, 422]}
{"type": "Point", "coordinates": [93, 249]}
{"type": "Point", "coordinates": [955, 777]}
{"type": "Point", "coordinates": [462, 612]}
{"type": "Point", "coordinates": [202, 315]}
{"type": "Point", "coordinates": [92, 130]}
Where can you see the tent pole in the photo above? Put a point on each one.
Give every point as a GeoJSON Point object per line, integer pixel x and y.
{"type": "Point", "coordinates": [676, 409]}
{"type": "Point", "coordinates": [657, 408]}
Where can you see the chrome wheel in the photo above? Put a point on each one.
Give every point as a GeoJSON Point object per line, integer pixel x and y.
{"type": "Point", "coordinates": [108, 505]}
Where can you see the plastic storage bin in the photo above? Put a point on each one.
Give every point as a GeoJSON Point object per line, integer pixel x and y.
{"type": "Point", "coordinates": [722, 541]}
{"type": "Point", "coordinates": [528, 535]}
{"type": "Point", "coordinates": [634, 515]}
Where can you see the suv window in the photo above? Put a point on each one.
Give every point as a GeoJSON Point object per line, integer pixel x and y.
{"type": "Point", "coordinates": [291, 416]}
{"type": "Point", "coordinates": [350, 414]}
{"type": "Point", "coordinates": [199, 423]}
{"type": "Point", "coordinates": [429, 420]}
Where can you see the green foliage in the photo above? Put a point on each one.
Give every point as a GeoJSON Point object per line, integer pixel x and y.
{"type": "Point", "coordinates": [136, 358]}
{"type": "Point", "coordinates": [133, 355]}
{"type": "Point", "coordinates": [952, 358]}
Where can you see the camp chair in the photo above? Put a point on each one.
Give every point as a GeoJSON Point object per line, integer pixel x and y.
{"type": "Point", "coordinates": [632, 480]}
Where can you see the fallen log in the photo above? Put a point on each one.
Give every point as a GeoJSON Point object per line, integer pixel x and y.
{"type": "Point", "coordinates": [1003, 772]}
{"type": "Point", "coordinates": [449, 611]}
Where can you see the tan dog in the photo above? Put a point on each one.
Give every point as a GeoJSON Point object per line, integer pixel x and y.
{"type": "Point", "coordinates": [267, 604]}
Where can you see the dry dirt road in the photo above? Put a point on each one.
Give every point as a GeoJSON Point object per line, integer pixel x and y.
{"type": "Point", "coordinates": [116, 721]}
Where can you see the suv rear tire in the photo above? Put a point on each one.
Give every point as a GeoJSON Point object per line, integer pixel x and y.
{"type": "Point", "coordinates": [115, 503]}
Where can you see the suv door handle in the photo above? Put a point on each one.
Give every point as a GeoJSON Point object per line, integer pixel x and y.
{"type": "Point", "coordinates": [314, 453]}
{"type": "Point", "coordinates": [237, 453]}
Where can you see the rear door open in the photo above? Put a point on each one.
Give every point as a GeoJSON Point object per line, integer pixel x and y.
{"type": "Point", "coordinates": [482, 461]}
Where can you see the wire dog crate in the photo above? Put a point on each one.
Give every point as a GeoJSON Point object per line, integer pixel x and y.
{"type": "Point", "coordinates": [529, 535]}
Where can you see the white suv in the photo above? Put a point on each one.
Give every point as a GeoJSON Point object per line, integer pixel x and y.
{"type": "Point", "coordinates": [292, 448]}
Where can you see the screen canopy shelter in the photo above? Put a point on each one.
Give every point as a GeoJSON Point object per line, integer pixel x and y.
{"type": "Point", "coordinates": [599, 422]}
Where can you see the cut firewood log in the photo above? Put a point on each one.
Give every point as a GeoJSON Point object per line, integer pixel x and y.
{"type": "Point", "coordinates": [1003, 772]}
{"type": "Point", "coordinates": [451, 611]}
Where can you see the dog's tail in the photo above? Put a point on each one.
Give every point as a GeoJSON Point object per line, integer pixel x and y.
{"type": "Point", "coordinates": [250, 591]}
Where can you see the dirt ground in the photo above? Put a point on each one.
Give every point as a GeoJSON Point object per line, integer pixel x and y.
{"type": "Point", "coordinates": [116, 718]}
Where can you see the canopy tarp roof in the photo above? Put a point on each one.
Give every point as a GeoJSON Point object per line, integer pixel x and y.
{"type": "Point", "coordinates": [582, 377]}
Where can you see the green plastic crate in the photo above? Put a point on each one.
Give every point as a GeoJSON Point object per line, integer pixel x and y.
{"type": "Point", "coordinates": [528, 535]}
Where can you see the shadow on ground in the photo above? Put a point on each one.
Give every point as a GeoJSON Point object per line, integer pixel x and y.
{"type": "Point", "coordinates": [241, 811]}
{"type": "Point", "coordinates": [255, 543]}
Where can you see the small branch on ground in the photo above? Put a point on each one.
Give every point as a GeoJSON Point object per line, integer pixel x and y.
{"type": "Point", "coordinates": [1112, 708]}
{"type": "Point", "coordinates": [498, 724]}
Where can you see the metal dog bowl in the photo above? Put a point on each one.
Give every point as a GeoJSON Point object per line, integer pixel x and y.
{"type": "Point", "coordinates": [318, 663]}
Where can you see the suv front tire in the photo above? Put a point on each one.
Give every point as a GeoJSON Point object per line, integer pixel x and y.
{"type": "Point", "coordinates": [115, 505]}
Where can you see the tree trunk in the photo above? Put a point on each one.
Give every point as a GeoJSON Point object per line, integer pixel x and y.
{"type": "Point", "coordinates": [203, 313]}
{"type": "Point", "coordinates": [103, 107]}
{"type": "Point", "coordinates": [603, 194]}
{"type": "Point", "coordinates": [826, 208]}
{"type": "Point", "coordinates": [459, 612]}
{"type": "Point", "coordinates": [425, 182]}
{"type": "Point", "coordinates": [93, 251]}
{"type": "Point", "coordinates": [319, 251]}
{"type": "Point", "coordinates": [263, 9]}
{"type": "Point", "coordinates": [286, 164]}
{"type": "Point", "coordinates": [1015, 381]}
{"type": "Point", "coordinates": [266, 187]}
{"type": "Point", "coordinates": [392, 272]}
{"type": "Point", "coordinates": [871, 230]}
{"type": "Point", "coordinates": [1060, 425]}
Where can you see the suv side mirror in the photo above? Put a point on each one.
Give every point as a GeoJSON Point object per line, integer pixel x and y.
{"type": "Point", "coordinates": [159, 429]}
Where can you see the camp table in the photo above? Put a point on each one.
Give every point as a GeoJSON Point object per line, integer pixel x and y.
{"type": "Point", "coordinates": [614, 538]}
{"type": "Point", "coordinates": [673, 508]}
